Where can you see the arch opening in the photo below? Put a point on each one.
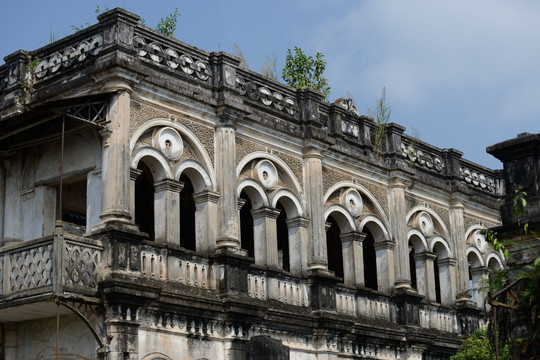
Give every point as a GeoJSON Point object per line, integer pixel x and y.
{"type": "Point", "coordinates": [144, 200]}
{"type": "Point", "coordinates": [187, 214]}
{"type": "Point", "coordinates": [334, 247]}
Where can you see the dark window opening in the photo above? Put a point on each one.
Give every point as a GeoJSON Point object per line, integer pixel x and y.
{"type": "Point", "coordinates": [246, 226]}
{"type": "Point", "coordinates": [187, 214]}
{"type": "Point", "coordinates": [283, 237]}
{"type": "Point", "coordinates": [370, 262]}
{"type": "Point", "coordinates": [73, 201]}
{"type": "Point", "coordinates": [144, 200]}
{"type": "Point", "coordinates": [334, 248]}
{"type": "Point", "coordinates": [437, 280]}
{"type": "Point", "coordinates": [412, 267]}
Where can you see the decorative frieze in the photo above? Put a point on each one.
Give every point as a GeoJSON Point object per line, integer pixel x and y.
{"type": "Point", "coordinates": [172, 59]}
{"type": "Point", "coordinates": [477, 179]}
{"type": "Point", "coordinates": [255, 92]}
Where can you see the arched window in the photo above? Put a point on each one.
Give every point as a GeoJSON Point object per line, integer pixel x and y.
{"type": "Point", "coordinates": [437, 276]}
{"type": "Point", "coordinates": [334, 248]}
{"type": "Point", "coordinates": [246, 225]}
{"type": "Point", "coordinates": [144, 200]}
{"type": "Point", "coordinates": [187, 214]}
{"type": "Point", "coordinates": [412, 266]}
{"type": "Point", "coordinates": [370, 261]}
{"type": "Point", "coordinates": [282, 232]}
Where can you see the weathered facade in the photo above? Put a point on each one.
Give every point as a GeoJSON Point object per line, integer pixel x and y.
{"type": "Point", "coordinates": [209, 212]}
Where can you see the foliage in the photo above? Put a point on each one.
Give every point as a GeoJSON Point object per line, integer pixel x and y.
{"type": "Point", "coordinates": [269, 67]}
{"type": "Point", "coordinates": [478, 347]}
{"type": "Point", "coordinates": [167, 25]}
{"type": "Point", "coordinates": [238, 54]}
{"type": "Point", "coordinates": [302, 71]}
{"type": "Point", "coordinates": [382, 116]}
{"type": "Point", "coordinates": [28, 79]}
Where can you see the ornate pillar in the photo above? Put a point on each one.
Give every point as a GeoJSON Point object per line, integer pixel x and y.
{"type": "Point", "coordinates": [479, 275]}
{"type": "Point", "coordinates": [166, 211]}
{"type": "Point", "coordinates": [424, 264]}
{"type": "Point", "coordinates": [2, 200]}
{"type": "Point", "coordinates": [430, 272]}
{"type": "Point", "coordinates": [133, 175]}
{"type": "Point", "coordinates": [123, 330]}
{"type": "Point", "coordinates": [13, 219]}
{"type": "Point", "coordinates": [116, 156]}
{"type": "Point", "coordinates": [398, 230]}
{"type": "Point", "coordinates": [457, 232]}
{"type": "Point", "coordinates": [353, 255]}
{"type": "Point", "coordinates": [298, 246]}
{"type": "Point", "coordinates": [384, 251]}
{"type": "Point", "coordinates": [93, 199]}
{"type": "Point", "coordinates": [206, 220]}
{"type": "Point", "coordinates": [225, 155]}
{"type": "Point", "coordinates": [314, 197]}
{"type": "Point", "coordinates": [447, 271]}
{"type": "Point", "coordinates": [265, 236]}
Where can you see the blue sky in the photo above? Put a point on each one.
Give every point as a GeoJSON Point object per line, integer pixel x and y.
{"type": "Point", "coordinates": [458, 74]}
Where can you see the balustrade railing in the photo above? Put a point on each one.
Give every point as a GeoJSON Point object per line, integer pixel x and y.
{"type": "Point", "coordinates": [437, 318]}
{"type": "Point", "coordinates": [60, 263]}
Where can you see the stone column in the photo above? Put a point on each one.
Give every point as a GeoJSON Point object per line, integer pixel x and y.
{"type": "Point", "coordinates": [225, 156]}
{"type": "Point", "coordinates": [2, 200]}
{"type": "Point", "coordinates": [116, 157]}
{"type": "Point", "coordinates": [447, 271]}
{"type": "Point", "coordinates": [123, 330]}
{"type": "Point", "coordinates": [423, 261]}
{"type": "Point", "coordinates": [398, 230]}
{"type": "Point", "coordinates": [166, 211]}
{"type": "Point", "coordinates": [265, 236]}
{"type": "Point", "coordinates": [27, 197]}
{"type": "Point", "coordinates": [13, 219]}
{"type": "Point", "coordinates": [298, 246]}
{"type": "Point", "coordinates": [94, 185]}
{"type": "Point", "coordinates": [384, 251]}
{"type": "Point", "coordinates": [133, 175]}
{"type": "Point", "coordinates": [314, 197]}
{"type": "Point", "coordinates": [479, 275]}
{"type": "Point", "coordinates": [206, 220]}
{"type": "Point", "coordinates": [353, 266]}
{"type": "Point", "coordinates": [430, 272]}
{"type": "Point", "coordinates": [457, 232]}
{"type": "Point", "coordinates": [43, 220]}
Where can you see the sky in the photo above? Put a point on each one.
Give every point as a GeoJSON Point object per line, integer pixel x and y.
{"type": "Point", "coordinates": [458, 74]}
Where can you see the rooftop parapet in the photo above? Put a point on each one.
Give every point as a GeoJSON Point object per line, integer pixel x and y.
{"type": "Point", "coordinates": [118, 39]}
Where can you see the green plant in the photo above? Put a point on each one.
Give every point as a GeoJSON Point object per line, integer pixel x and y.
{"type": "Point", "coordinates": [302, 71]}
{"type": "Point", "coordinates": [239, 55]}
{"type": "Point", "coordinates": [382, 116]}
{"type": "Point", "coordinates": [478, 347]}
{"type": "Point", "coordinates": [28, 79]}
{"type": "Point", "coordinates": [269, 67]}
{"type": "Point", "coordinates": [167, 25]}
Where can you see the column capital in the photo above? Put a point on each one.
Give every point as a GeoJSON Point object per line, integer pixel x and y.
{"type": "Point", "coordinates": [229, 117]}
{"type": "Point", "coordinates": [296, 222]}
{"type": "Point", "coordinates": [240, 203]}
{"type": "Point", "coordinates": [206, 196]}
{"type": "Point", "coordinates": [426, 255]}
{"type": "Point", "coordinates": [134, 174]}
{"type": "Point", "coordinates": [352, 236]}
{"type": "Point", "coordinates": [384, 245]}
{"type": "Point", "coordinates": [265, 212]}
{"type": "Point", "coordinates": [169, 185]}
{"type": "Point", "coordinates": [482, 270]}
{"type": "Point", "coordinates": [447, 262]}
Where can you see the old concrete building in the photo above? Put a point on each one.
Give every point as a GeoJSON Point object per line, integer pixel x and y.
{"type": "Point", "coordinates": [159, 202]}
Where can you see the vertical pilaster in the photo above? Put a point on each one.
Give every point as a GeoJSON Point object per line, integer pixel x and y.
{"type": "Point", "coordinates": [430, 272]}
{"type": "Point", "coordinates": [133, 175]}
{"type": "Point", "coordinates": [298, 253]}
{"type": "Point", "coordinates": [457, 232]}
{"type": "Point", "coordinates": [2, 200]}
{"type": "Point", "coordinates": [422, 277]}
{"type": "Point", "coordinates": [94, 186]}
{"type": "Point", "coordinates": [479, 275]}
{"type": "Point", "coordinates": [206, 220]}
{"type": "Point", "coordinates": [314, 196]}
{"type": "Point", "coordinates": [27, 197]}
{"type": "Point", "coordinates": [225, 155]}
{"type": "Point", "coordinates": [166, 211]}
{"type": "Point", "coordinates": [116, 156]}
{"type": "Point", "coordinates": [353, 267]}
{"type": "Point", "coordinates": [123, 330]}
{"type": "Point", "coordinates": [384, 250]}
{"type": "Point", "coordinates": [447, 275]}
{"type": "Point", "coordinates": [398, 229]}
{"type": "Point", "coordinates": [265, 236]}
{"type": "Point", "coordinates": [43, 220]}
{"type": "Point", "coordinates": [13, 219]}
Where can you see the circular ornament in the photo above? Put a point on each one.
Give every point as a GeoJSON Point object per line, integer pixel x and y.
{"type": "Point", "coordinates": [480, 241]}
{"type": "Point", "coordinates": [267, 174]}
{"type": "Point", "coordinates": [278, 101]}
{"type": "Point", "coordinates": [425, 224]}
{"type": "Point", "coordinates": [55, 61]}
{"type": "Point", "coordinates": [69, 56]}
{"type": "Point", "coordinates": [96, 45]}
{"type": "Point", "coordinates": [169, 142]}
{"type": "Point", "coordinates": [140, 44]}
{"type": "Point", "coordinates": [155, 55]}
{"type": "Point", "coordinates": [172, 58]}
{"type": "Point", "coordinates": [352, 200]}
{"type": "Point", "coordinates": [82, 50]}
{"type": "Point", "coordinates": [266, 96]}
